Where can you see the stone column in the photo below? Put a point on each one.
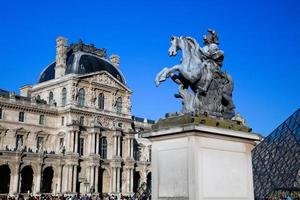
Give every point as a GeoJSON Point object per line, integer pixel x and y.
{"type": "Point", "coordinates": [118, 144]}
{"type": "Point", "coordinates": [74, 178]}
{"type": "Point", "coordinates": [92, 182]}
{"type": "Point", "coordinates": [131, 180]}
{"type": "Point", "coordinates": [76, 141]}
{"type": "Point", "coordinates": [114, 179]}
{"type": "Point", "coordinates": [71, 143]}
{"type": "Point", "coordinates": [115, 145]}
{"type": "Point", "coordinates": [88, 177]}
{"type": "Point", "coordinates": [97, 143]}
{"type": "Point", "coordinates": [128, 186]}
{"type": "Point", "coordinates": [128, 147]}
{"type": "Point", "coordinates": [131, 148]}
{"type": "Point", "coordinates": [89, 144]}
{"type": "Point", "coordinates": [64, 178]}
{"type": "Point", "coordinates": [92, 143]}
{"type": "Point", "coordinates": [14, 183]}
{"type": "Point", "coordinates": [38, 179]}
{"type": "Point", "coordinates": [118, 179]}
{"type": "Point", "coordinates": [58, 180]}
{"type": "Point", "coordinates": [96, 178]}
{"type": "Point", "coordinates": [69, 178]}
{"type": "Point", "coordinates": [67, 142]}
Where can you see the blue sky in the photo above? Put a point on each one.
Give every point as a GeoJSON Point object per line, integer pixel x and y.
{"type": "Point", "coordinates": [260, 40]}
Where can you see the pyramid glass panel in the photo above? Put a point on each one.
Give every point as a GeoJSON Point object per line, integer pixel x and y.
{"type": "Point", "coordinates": [276, 161]}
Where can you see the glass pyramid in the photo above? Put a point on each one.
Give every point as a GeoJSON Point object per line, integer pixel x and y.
{"type": "Point", "coordinates": [276, 161]}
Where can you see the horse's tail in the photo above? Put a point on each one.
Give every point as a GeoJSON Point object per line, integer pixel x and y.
{"type": "Point", "coordinates": [229, 79]}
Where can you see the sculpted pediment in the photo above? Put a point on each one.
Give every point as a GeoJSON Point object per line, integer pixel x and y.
{"type": "Point", "coordinates": [106, 79]}
{"type": "Point", "coordinates": [42, 133]}
{"type": "Point", "coordinates": [22, 130]}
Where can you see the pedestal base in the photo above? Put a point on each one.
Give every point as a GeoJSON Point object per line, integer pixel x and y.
{"type": "Point", "coordinates": [198, 162]}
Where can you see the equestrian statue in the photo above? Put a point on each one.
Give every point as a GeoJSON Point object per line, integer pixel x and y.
{"type": "Point", "coordinates": [203, 87]}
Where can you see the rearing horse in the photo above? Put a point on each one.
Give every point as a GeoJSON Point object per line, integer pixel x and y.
{"type": "Point", "coordinates": [193, 68]}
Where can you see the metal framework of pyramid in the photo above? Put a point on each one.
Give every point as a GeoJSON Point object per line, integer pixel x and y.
{"type": "Point", "coordinates": [276, 160]}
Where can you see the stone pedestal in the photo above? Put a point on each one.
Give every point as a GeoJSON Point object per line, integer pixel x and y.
{"type": "Point", "coordinates": [196, 162]}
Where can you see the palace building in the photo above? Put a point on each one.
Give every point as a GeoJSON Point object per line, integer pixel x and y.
{"type": "Point", "coordinates": [73, 131]}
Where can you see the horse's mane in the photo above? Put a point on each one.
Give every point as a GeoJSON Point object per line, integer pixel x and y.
{"type": "Point", "coordinates": [193, 44]}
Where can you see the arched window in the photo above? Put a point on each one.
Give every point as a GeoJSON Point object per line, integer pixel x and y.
{"type": "Point", "coordinates": [119, 105]}
{"type": "Point", "coordinates": [64, 97]}
{"type": "Point", "coordinates": [81, 97]}
{"type": "Point", "coordinates": [101, 101]}
{"type": "Point", "coordinates": [50, 97]}
{"type": "Point", "coordinates": [103, 147]}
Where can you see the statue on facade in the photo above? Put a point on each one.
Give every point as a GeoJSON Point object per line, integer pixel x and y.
{"type": "Point", "coordinates": [20, 144]}
{"type": "Point", "coordinates": [145, 153]}
{"type": "Point", "coordinates": [203, 87]}
{"type": "Point", "coordinates": [40, 146]}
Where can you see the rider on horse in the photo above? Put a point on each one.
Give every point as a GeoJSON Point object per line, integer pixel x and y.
{"type": "Point", "coordinates": [211, 49]}
{"type": "Point", "coordinates": [213, 58]}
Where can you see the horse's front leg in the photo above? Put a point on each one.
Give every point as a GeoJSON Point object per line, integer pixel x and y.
{"type": "Point", "coordinates": [164, 74]}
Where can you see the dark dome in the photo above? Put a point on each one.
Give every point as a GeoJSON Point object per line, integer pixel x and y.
{"type": "Point", "coordinates": [82, 63]}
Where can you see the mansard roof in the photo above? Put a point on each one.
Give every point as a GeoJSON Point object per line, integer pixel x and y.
{"type": "Point", "coordinates": [83, 59]}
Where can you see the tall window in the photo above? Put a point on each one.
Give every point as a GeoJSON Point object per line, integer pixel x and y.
{"type": "Point", "coordinates": [62, 121]}
{"type": "Point", "coordinates": [50, 97]}
{"type": "Point", "coordinates": [103, 147]}
{"type": "Point", "coordinates": [81, 97]}
{"type": "Point", "coordinates": [64, 97]}
{"type": "Point", "coordinates": [0, 113]}
{"type": "Point", "coordinates": [101, 101]}
{"type": "Point", "coordinates": [21, 116]}
{"type": "Point", "coordinates": [81, 120]}
{"type": "Point", "coordinates": [42, 120]}
{"type": "Point", "coordinates": [119, 105]}
{"type": "Point", "coordinates": [19, 142]}
{"type": "Point", "coordinates": [81, 146]}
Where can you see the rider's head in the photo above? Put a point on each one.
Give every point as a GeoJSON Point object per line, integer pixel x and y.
{"type": "Point", "coordinates": [211, 37]}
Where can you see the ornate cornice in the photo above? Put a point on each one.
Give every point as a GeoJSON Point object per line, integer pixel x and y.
{"type": "Point", "coordinates": [26, 107]}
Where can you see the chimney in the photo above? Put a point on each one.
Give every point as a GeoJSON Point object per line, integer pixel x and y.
{"type": "Point", "coordinates": [61, 57]}
{"type": "Point", "coordinates": [115, 60]}
{"type": "Point", "coordinates": [25, 91]}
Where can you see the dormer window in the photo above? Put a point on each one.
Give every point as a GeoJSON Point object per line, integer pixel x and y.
{"type": "Point", "coordinates": [50, 97]}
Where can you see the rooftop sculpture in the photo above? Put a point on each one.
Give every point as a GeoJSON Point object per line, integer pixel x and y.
{"type": "Point", "coordinates": [203, 87]}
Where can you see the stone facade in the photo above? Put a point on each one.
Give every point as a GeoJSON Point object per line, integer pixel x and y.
{"type": "Point", "coordinates": [73, 133]}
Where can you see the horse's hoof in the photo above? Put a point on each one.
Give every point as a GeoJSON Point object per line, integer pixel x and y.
{"type": "Point", "coordinates": [157, 83]}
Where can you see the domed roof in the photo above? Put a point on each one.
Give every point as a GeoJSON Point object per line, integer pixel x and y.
{"type": "Point", "coordinates": [81, 63]}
